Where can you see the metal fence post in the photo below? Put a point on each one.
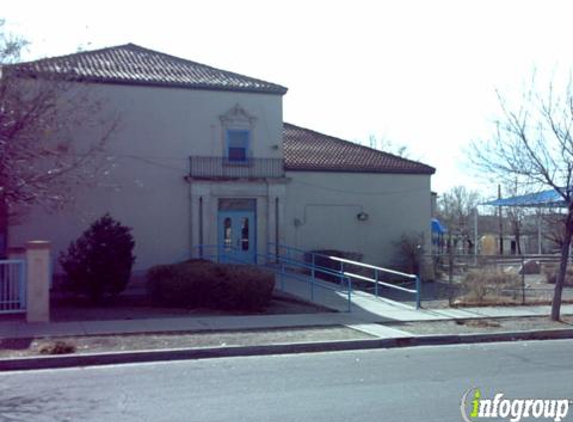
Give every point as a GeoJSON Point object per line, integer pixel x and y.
{"type": "Point", "coordinates": [349, 284]}
{"type": "Point", "coordinates": [522, 279]}
{"type": "Point", "coordinates": [450, 274]}
{"type": "Point", "coordinates": [418, 292]}
{"type": "Point", "coordinates": [376, 284]}
{"type": "Point", "coordinates": [312, 289]}
{"type": "Point", "coordinates": [312, 270]}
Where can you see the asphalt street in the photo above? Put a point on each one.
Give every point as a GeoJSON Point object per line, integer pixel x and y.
{"type": "Point", "coordinates": [408, 384]}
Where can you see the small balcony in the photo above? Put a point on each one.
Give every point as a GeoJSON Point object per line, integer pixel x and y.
{"type": "Point", "coordinates": [223, 168]}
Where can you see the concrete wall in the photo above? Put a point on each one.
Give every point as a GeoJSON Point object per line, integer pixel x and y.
{"type": "Point", "coordinates": [141, 182]}
{"type": "Point", "coordinates": [321, 211]}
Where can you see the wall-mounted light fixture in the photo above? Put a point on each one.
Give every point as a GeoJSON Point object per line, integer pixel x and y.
{"type": "Point", "coordinates": [362, 216]}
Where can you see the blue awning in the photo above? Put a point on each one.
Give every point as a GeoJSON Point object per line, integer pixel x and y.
{"type": "Point", "coordinates": [548, 198]}
{"type": "Point", "coordinates": [437, 226]}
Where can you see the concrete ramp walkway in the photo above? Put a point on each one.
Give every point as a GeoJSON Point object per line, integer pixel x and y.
{"type": "Point", "coordinates": [369, 308]}
{"type": "Point", "coordinates": [364, 306]}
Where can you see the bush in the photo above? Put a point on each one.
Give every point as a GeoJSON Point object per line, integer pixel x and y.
{"type": "Point", "coordinates": [58, 347]}
{"type": "Point", "coordinates": [99, 262]}
{"type": "Point", "coordinates": [321, 260]}
{"type": "Point", "coordinates": [551, 272]}
{"type": "Point", "coordinates": [198, 283]}
{"type": "Point", "coordinates": [409, 253]}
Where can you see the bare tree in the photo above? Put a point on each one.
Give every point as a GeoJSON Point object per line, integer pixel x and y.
{"type": "Point", "coordinates": [515, 215]}
{"type": "Point", "coordinates": [387, 145]}
{"type": "Point", "coordinates": [533, 144]}
{"type": "Point", "coordinates": [553, 231]}
{"type": "Point", "coordinates": [40, 120]}
{"type": "Point", "coordinates": [456, 209]}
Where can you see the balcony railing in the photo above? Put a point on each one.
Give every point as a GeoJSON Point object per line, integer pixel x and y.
{"type": "Point", "coordinates": [222, 168]}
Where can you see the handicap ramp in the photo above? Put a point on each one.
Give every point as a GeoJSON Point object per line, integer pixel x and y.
{"type": "Point", "coordinates": [363, 305]}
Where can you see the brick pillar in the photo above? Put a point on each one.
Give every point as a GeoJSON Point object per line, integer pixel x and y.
{"type": "Point", "coordinates": [38, 281]}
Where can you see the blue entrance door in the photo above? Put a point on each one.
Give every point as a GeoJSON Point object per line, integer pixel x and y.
{"type": "Point", "coordinates": [236, 234]}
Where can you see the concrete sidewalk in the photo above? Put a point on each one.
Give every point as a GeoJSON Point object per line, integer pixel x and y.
{"type": "Point", "coordinates": [370, 323]}
{"type": "Point", "coordinates": [20, 329]}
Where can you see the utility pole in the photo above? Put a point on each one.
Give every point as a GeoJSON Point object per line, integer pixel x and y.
{"type": "Point", "coordinates": [476, 240]}
{"type": "Point", "coordinates": [500, 222]}
{"type": "Point", "coordinates": [539, 231]}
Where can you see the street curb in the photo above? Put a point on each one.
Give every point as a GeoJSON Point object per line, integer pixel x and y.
{"type": "Point", "coordinates": [52, 362]}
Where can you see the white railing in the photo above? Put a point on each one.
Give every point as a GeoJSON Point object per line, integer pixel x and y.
{"type": "Point", "coordinates": [12, 286]}
{"type": "Point", "coordinates": [375, 279]}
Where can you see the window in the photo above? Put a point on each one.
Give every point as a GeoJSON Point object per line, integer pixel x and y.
{"type": "Point", "coordinates": [238, 146]}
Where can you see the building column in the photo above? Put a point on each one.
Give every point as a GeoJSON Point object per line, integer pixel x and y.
{"type": "Point", "coordinates": [276, 210]}
{"type": "Point", "coordinates": [200, 214]}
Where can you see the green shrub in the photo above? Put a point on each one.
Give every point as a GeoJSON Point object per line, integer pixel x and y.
{"type": "Point", "coordinates": [99, 262]}
{"type": "Point", "coordinates": [199, 283]}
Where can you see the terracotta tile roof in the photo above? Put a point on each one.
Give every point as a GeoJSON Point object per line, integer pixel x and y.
{"type": "Point", "coordinates": [307, 150]}
{"type": "Point", "coordinates": [131, 64]}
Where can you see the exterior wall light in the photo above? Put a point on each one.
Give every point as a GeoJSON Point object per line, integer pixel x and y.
{"type": "Point", "coordinates": [362, 216]}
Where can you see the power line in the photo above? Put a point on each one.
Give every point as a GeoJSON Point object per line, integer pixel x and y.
{"type": "Point", "coordinates": [379, 193]}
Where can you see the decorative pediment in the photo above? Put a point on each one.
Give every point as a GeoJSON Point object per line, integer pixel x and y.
{"type": "Point", "coordinates": [238, 116]}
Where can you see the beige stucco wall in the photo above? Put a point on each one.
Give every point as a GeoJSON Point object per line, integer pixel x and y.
{"type": "Point", "coordinates": [321, 210]}
{"type": "Point", "coordinates": [141, 182]}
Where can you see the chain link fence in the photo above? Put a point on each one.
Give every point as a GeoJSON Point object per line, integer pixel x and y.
{"type": "Point", "coordinates": [469, 280]}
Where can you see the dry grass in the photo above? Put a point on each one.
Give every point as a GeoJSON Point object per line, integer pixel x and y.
{"type": "Point", "coordinates": [550, 271]}
{"type": "Point", "coordinates": [479, 323]}
{"type": "Point", "coordinates": [489, 287]}
{"type": "Point", "coordinates": [175, 340]}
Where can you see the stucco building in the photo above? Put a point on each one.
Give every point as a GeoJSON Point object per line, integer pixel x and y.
{"type": "Point", "coordinates": [202, 157]}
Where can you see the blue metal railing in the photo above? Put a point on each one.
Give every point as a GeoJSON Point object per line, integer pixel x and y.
{"type": "Point", "coordinates": [284, 266]}
{"type": "Point", "coordinates": [343, 265]}
{"type": "Point", "coordinates": [302, 266]}
{"type": "Point", "coordinates": [12, 286]}
{"type": "Point", "coordinates": [288, 266]}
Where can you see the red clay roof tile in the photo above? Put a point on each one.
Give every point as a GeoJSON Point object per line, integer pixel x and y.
{"type": "Point", "coordinates": [307, 150]}
{"type": "Point", "coordinates": [131, 64]}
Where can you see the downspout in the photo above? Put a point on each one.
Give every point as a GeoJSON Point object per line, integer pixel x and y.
{"type": "Point", "coordinates": [277, 228]}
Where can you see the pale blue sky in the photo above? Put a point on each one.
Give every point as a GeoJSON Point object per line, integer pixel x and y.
{"type": "Point", "coordinates": [419, 73]}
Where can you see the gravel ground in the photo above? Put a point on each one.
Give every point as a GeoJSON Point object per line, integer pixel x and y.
{"type": "Point", "coordinates": [12, 348]}
{"type": "Point", "coordinates": [484, 325]}
{"type": "Point", "coordinates": [116, 343]}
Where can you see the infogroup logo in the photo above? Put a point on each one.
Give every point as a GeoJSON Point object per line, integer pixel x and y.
{"type": "Point", "coordinates": [474, 407]}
